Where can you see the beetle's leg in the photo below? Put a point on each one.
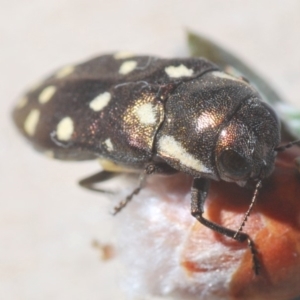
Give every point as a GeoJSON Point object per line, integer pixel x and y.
{"type": "Point", "coordinates": [89, 182]}
{"type": "Point", "coordinates": [151, 168]}
{"type": "Point", "coordinates": [198, 194]}
{"type": "Point", "coordinates": [123, 203]}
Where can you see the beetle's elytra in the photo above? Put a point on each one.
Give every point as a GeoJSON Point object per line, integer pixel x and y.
{"type": "Point", "coordinates": [155, 115]}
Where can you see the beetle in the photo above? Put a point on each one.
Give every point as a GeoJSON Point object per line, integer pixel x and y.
{"type": "Point", "coordinates": [154, 115]}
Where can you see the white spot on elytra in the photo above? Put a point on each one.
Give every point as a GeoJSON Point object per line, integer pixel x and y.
{"type": "Point", "coordinates": [224, 75]}
{"type": "Point", "coordinates": [109, 145]}
{"type": "Point", "coordinates": [168, 146]}
{"type": "Point", "coordinates": [46, 94]}
{"type": "Point", "coordinates": [100, 101]}
{"type": "Point", "coordinates": [208, 120]}
{"type": "Point", "coordinates": [146, 113]}
{"type": "Point", "coordinates": [65, 129]}
{"type": "Point", "coordinates": [22, 102]}
{"type": "Point", "coordinates": [65, 71]}
{"type": "Point", "coordinates": [49, 153]}
{"type": "Point", "coordinates": [31, 122]}
{"type": "Point", "coordinates": [224, 133]}
{"type": "Point", "coordinates": [123, 54]}
{"type": "Point", "coordinates": [179, 71]}
{"type": "Point", "coordinates": [127, 67]}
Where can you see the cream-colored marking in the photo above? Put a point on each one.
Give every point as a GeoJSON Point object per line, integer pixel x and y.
{"type": "Point", "coordinates": [232, 71]}
{"type": "Point", "coordinates": [179, 71]}
{"type": "Point", "coordinates": [127, 67]}
{"type": "Point", "coordinates": [109, 145]}
{"type": "Point", "coordinates": [100, 101]}
{"type": "Point", "coordinates": [46, 94]}
{"type": "Point", "coordinates": [65, 129]}
{"type": "Point", "coordinates": [123, 54]}
{"type": "Point", "coordinates": [224, 75]}
{"type": "Point", "coordinates": [168, 146]}
{"type": "Point", "coordinates": [22, 102]}
{"type": "Point", "coordinates": [224, 133]}
{"type": "Point", "coordinates": [49, 153]}
{"type": "Point", "coordinates": [208, 120]}
{"type": "Point", "coordinates": [65, 71]}
{"type": "Point", "coordinates": [109, 165]}
{"type": "Point", "coordinates": [31, 122]}
{"type": "Point", "coordinates": [146, 113]}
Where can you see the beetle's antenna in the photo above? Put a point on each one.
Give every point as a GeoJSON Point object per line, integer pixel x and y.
{"type": "Point", "coordinates": [257, 187]}
{"type": "Point", "coordinates": [286, 146]}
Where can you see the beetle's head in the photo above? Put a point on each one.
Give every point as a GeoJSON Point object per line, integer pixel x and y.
{"type": "Point", "coordinates": [245, 145]}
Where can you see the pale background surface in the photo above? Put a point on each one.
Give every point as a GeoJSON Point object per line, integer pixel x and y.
{"type": "Point", "coordinates": [47, 223]}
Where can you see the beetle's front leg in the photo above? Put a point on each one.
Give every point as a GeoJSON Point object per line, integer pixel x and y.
{"type": "Point", "coordinates": [150, 168]}
{"type": "Point", "coordinates": [199, 193]}
{"type": "Point", "coordinates": [122, 204]}
{"type": "Point", "coordinates": [89, 182]}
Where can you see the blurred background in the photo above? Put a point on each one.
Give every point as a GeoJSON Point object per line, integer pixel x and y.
{"type": "Point", "coordinates": [47, 223]}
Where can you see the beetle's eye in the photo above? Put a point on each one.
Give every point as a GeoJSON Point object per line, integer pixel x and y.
{"type": "Point", "coordinates": [233, 164]}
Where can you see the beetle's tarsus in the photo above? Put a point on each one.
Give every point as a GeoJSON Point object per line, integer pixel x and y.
{"type": "Point", "coordinates": [151, 168]}
{"type": "Point", "coordinates": [254, 253]}
{"type": "Point", "coordinates": [123, 203]}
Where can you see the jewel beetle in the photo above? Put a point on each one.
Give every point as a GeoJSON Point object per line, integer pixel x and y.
{"type": "Point", "coordinates": [154, 115]}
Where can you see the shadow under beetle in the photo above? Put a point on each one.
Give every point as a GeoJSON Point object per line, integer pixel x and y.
{"type": "Point", "coordinates": [156, 115]}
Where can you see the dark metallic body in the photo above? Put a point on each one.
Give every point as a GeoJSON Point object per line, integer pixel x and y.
{"type": "Point", "coordinates": [192, 109]}
{"type": "Point", "coordinates": [164, 115]}
{"type": "Point", "coordinates": [133, 142]}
